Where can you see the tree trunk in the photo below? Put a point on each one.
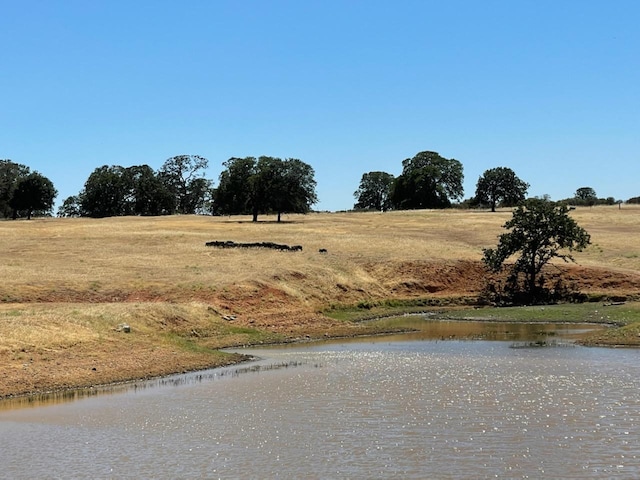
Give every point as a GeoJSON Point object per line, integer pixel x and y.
{"type": "Point", "coordinates": [278, 217]}
{"type": "Point", "coordinates": [532, 280]}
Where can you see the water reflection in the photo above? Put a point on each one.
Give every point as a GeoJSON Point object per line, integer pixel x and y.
{"type": "Point", "coordinates": [522, 334]}
{"type": "Point", "coordinates": [64, 396]}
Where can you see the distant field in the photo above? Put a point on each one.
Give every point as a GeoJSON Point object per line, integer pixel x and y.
{"type": "Point", "coordinates": [167, 254]}
{"type": "Point", "coordinates": [66, 283]}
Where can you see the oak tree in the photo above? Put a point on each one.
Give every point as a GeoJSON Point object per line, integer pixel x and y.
{"type": "Point", "coordinates": [427, 181]}
{"type": "Point", "coordinates": [267, 184]}
{"type": "Point", "coordinates": [183, 176]}
{"type": "Point", "coordinates": [10, 174]}
{"type": "Point", "coordinates": [539, 231]}
{"type": "Point", "coordinates": [500, 185]}
{"type": "Point", "coordinates": [33, 193]}
{"type": "Point", "coordinates": [585, 196]}
{"type": "Point", "coordinates": [374, 192]}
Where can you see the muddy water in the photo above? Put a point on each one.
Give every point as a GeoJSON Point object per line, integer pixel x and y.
{"type": "Point", "coordinates": [389, 407]}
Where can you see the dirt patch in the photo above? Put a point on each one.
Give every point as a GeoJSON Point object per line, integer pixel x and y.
{"type": "Point", "coordinates": [253, 305]}
{"type": "Point", "coordinates": [90, 365]}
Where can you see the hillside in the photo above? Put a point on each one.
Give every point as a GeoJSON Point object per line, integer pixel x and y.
{"type": "Point", "coordinates": [69, 283]}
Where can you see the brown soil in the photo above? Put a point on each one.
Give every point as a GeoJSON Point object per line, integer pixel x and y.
{"type": "Point", "coordinates": [256, 305]}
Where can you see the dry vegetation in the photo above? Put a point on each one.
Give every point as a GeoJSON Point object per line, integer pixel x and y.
{"type": "Point", "coordinates": [68, 283]}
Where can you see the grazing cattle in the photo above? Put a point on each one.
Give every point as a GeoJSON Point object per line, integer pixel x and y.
{"type": "Point", "coordinates": [274, 246]}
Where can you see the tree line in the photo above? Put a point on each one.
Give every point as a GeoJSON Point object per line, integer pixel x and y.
{"type": "Point", "coordinates": [255, 186]}
{"type": "Point", "coordinates": [429, 180]}
{"type": "Point", "coordinates": [248, 185]}
{"type": "Point", "coordinates": [178, 187]}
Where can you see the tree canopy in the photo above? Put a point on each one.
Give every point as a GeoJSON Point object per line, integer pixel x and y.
{"type": "Point", "coordinates": [293, 188]}
{"type": "Point", "coordinates": [500, 185]}
{"type": "Point", "coordinates": [538, 232]}
{"type": "Point", "coordinates": [117, 191]}
{"type": "Point", "coordinates": [10, 173]}
{"type": "Point", "coordinates": [264, 185]}
{"type": "Point", "coordinates": [104, 193]}
{"type": "Point", "coordinates": [70, 207]}
{"type": "Point", "coordinates": [235, 193]}
{"type": "Point", "coordinates": [113, 190]}
{"type": "Point", "coordinates": [183, 176]}
{"type": "Point", "coordinates": [374, 192]}
{"type": "Point", "coordinates": [22, 192]}
{"type": "Point", "coordinates": [585, 196]}
{"type": "Point", "coordinates": [145, 192]}
{"type": "Point", "coordinates": [427, 181]}
{"type": "Point", "coordinates": [34, 192]}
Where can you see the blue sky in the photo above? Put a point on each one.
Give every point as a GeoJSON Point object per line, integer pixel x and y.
{"type": "Point", "coordinates": [549, 88]}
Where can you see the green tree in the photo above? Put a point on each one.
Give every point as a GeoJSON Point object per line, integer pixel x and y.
{"type": "Point", "coordinates": [586, 196]}
{"type": "Point", "coordinates": [267, 184]}
{"type": "Point", "coordinates": [374, 191]}
{"type": "Point", "coordinates": [500, 185]}
{"type": "Point", "coordinates": [234, 195]}
{"type": "Point", "coordinates": [10, 173]}
{"type": "Point", "coordinates": [145, 193]}
{"type": "Point", "coordinates": [117, 191]}
{"type": "Point", "coordinates": [33, 193]}
{"type": "Point", "coordinates": [183, 176]}
{"type": "Point", "coordinates": [427, 181]}
{"type": "Point", "coordinates": [70, 207]}
{"type": "Point", "coordinates": [294, 188]}
{"type": "Point", "coordinates": [539, 232]}
{"type": "Point", "coordinates": [105, 193]}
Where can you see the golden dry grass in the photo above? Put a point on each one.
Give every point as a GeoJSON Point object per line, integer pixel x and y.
{"type": "Point", "coordinates": [66, 283]}
{"type": "Point", "coordinates": [164, 256]}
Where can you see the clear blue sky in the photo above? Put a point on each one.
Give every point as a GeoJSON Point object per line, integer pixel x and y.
{"type": "Point", "coordinates": [549, 88]}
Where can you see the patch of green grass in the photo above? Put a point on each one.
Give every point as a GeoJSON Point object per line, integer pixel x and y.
{"type": "Point", "coordinates": [236, 329]}
{"type": "Point", "coordinates": [356, 314]}
{"type": "Point", "coordinates": [618, 314]}
{"type": "Point", "coordinates": [367, 310]}
{"type": "Point", "coordinates": [189, 344]}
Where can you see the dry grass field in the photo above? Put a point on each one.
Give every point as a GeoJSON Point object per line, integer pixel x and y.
{"type": "Point", "coordinates": [68, 283]}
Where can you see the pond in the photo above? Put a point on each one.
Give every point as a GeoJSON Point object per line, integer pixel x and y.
{"type": "Point", "coordinates": [403, 406]}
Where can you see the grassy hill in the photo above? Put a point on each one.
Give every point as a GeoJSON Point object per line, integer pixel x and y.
{"type": "Point", "coordinates": [68, 284]}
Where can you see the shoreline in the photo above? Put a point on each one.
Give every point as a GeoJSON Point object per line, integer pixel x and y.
{"type": "Point", "coordinates": [65, 393]}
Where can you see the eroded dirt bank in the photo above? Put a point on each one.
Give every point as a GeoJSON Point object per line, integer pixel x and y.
{"type": "Point", "coordinates": [167, 337]}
